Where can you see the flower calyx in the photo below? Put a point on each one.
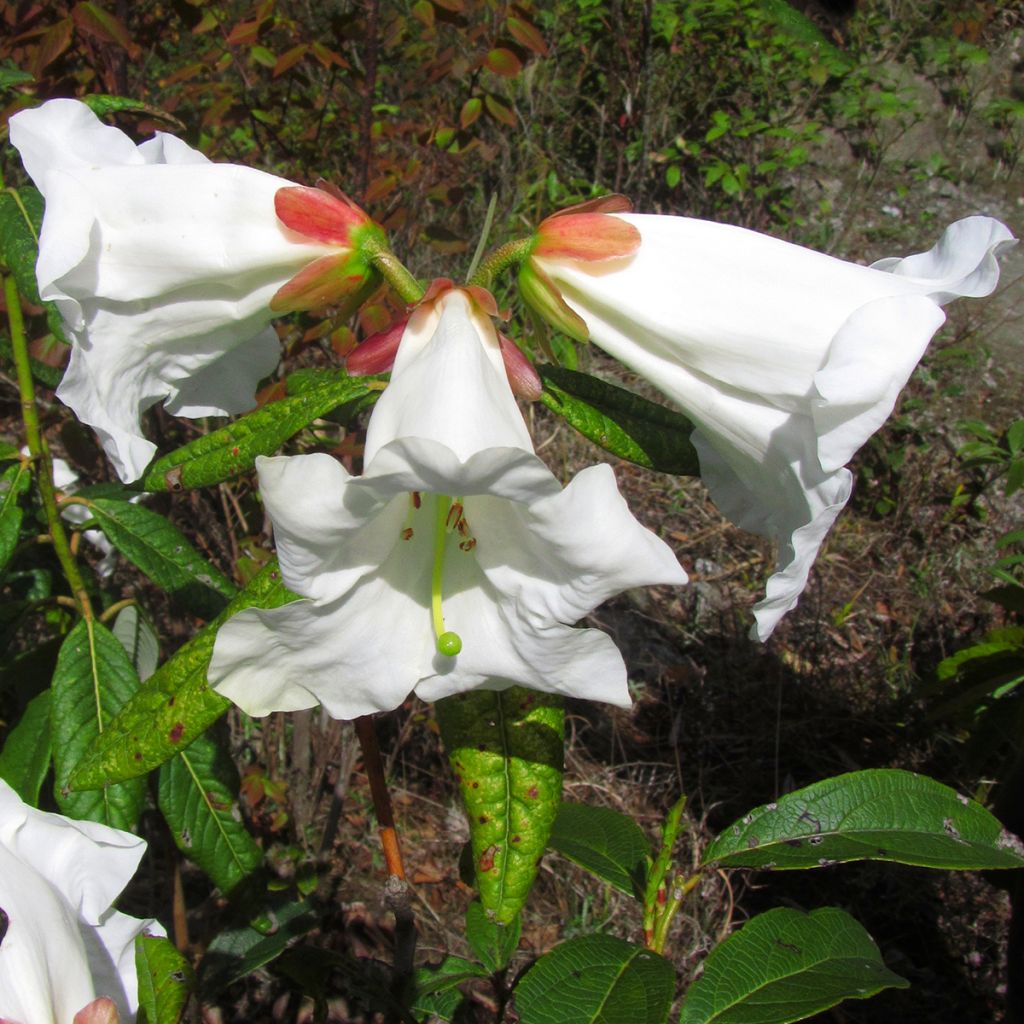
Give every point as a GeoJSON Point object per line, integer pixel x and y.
{"type": "Point", "coordinates": [376, 354]}
{"type": "Point", "coordinates": [326, 216]}
{"type": "Point", "coordinates": [586, 233]}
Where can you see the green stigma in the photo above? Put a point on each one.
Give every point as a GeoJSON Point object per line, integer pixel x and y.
{"type": "Point", "coordinates": [448, 643]}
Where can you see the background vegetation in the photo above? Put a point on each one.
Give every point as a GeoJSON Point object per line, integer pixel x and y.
{"type": "Point", "coordinates": [862, 136]}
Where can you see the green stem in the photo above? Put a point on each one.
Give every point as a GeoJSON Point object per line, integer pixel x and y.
{"type": "Point", "coordinates": [392, 269]}
{"type": "Point", "coordinates": [504, 256]}
{"type": "Point", "coordinates": [656, 879]}
{"type": "Point", "coordinates": [40, 451]}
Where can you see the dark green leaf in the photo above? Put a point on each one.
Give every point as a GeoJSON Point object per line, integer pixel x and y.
{"type": "Point", "coordinates": [233, 449]}
{"type": "Point", "coordinates": [13, 484]}
{"type": "Point", "coordinates": [25, 758]}
{"type": "Point", "coordinates": [93, 681]}
{"type": "Point", "coordinates": [448, 974]}
{"type": "Point", "coordinates": [882, 814]}
{"type": "Point", "coordinates": [101, 105]}
{"type": "Point", "coordinates": [597, 979]}
{"type": "Point", "coordinates": [21, 213]}
{"type": "Point", "coordinates": [42, 373]}
{"type": "Point", "coordinates": [495, 944]}
{"type": "Point", "coordinates": [237, 952]}
{"type": "Point", "coordinates": [198, 797]}
{"type": "Point", "coordinates": [621, 422]}
{"type": "Point", "coordinates": [785, 966]}
{"type": "Point", "coordinates": [160, 550]}
{"type": "Point", "coordinates": [165, 978]}
{"type": "Point", "coordinates": [176, 704]}
{"type": "Point", "coordinates": [10, 75]}
{"type": "Point", "coordinates": [606, 843]}
{"type": "Point", "coordinates": [506, 749]}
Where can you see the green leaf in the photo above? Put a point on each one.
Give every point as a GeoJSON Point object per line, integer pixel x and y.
{"type": "Point", "coordinates": [784, 966]}
{"type": "Point", "coordinates": [198, 796]}
{"type": "Point", "coordinates": [160, 550]}
{"type": "Point", "coordinates": [449, 973]}
{"type": "Point", "coordinates": [620, 422]}
{"type": "Point", "coordinates": [166, 980]}
{"type": "Point", "coordinates": [236, 953]}
{"type": "Point", "coordinates": [233, 449]}
{"type": "Point", "coordinates": [10, 75]}
{"type": "Point", "coordinates": [102, 104]}
{"type": "Point", "coordinates": [139, 639]}
{"type": "Point", "coordinates": [42, 373]}
{"type": "Point", "coordinates": [597, 979]}
{"type": "Point", "coordinates": [604, 842]}
{"type": "Point", "coordinates": [21, 213]}
{"type": "Point", "coordinates": [13, 485]}
{"type": "Point", "coordinates": [506, 749]}
{"type": "Point", "coordinates": [25, 758]}
{"type": "Point", "coordinates": [882, 814]}
{"type": "Point", "coordinates": [495, 944]}
{"type": "Point", "coordinates": [94, 679]}
{"type": "Point", "coordinates": [176, 703]}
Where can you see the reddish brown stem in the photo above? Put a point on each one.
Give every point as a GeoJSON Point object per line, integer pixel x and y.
{"type": "Point", "coordinates": [381, 799]}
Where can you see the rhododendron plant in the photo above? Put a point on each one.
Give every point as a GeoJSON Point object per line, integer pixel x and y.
{"type": "Point", "coordinates": [455, 562]}
{"type": "Point", "coordinates": [787, 360]}
{"type": "Point", "coordinates": [64, 950]}
{"type": "Point", "coordinates": [167, 269]}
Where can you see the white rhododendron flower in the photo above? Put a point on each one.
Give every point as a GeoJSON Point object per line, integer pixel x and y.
{"type": "Point", "coordinates": [63, 948]}
{"type": "Point", "coordinates": [786, 360]}
{"type": "Point", "coordinates": [167, 269]}
{"type": "Point", "coordinates": [456, 561]}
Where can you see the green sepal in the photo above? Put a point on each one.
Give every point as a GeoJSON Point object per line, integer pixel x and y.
{"type": "Point", "coordinates": [620, 421]}
{"type": "Point", "coordinates": [176, 704]}
{"type": "Point", "coordinates": [507, 751]}
{"type": "Point", "coordinates": [541, 294]}
{"type": "Point", "coordinates": [233, 449]}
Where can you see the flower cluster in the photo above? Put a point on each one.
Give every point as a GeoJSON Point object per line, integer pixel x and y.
{"type": "Point", "coordinates": [457, 560]}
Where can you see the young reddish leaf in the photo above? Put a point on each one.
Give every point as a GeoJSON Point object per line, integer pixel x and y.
{"type": "Point", "coordinates": [500, 112]}
{"type": "Point", "coordinates": [290, 58]}
{"type": "Point", "coordinates": [611, 203]}
{"type": "Point", "coordinates": [503, 62]}
{"type": "Point", "coordinates": [243, 34]}
{"type": "Point", "coordinates": [94, 21]}
{"type": "Point", "coordinates": [471, 110]}
{"type": "Point", "coordinates": [374, 318]}
{"type": "Point", "coordinates": [586, 236]}
{"type": "Point", "coordinates": [207, 23]}
{"type": "Point", "coordinates": [455, 6]}
{"type": "Point", "coordinates": [380, 187]}
{"type": "Point", "coordinates": [99, 1011]}
{"type": "Point", "coordinates": [527, 34]}
{"type": "Point", "coordinates": [54, 42]}
{"type": "Point", "coordinates": [327, 56]}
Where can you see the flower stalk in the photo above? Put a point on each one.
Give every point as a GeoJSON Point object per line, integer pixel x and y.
{"type": "Point", "coordinates": [40, 452]}
{"type": "Point", "coordinates": [505, 256]}
{"type": "Point", "coordinates": [391, 268]}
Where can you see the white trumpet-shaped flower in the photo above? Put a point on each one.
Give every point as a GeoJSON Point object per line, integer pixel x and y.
{"type": "Point", "coordinates": [167, 269]}
{"type": "Point", "coordinates": [63, 949]}
{"type": "Point", "coordinates": [456, 561]}
{"type": "Point", "coordinates": [786, 360]}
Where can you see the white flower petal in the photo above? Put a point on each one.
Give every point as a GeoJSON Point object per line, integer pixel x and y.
{"type": "Point", "coordinates": [448, 385]}
{"type": "Point", "coordinates": [516, 569]}
{"type": "Point", "coordinates": [786, 359]}
{"type": "Point", "coordinates": [64, 945]}
{"type": "Point", "coordinates": [162, 264]}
